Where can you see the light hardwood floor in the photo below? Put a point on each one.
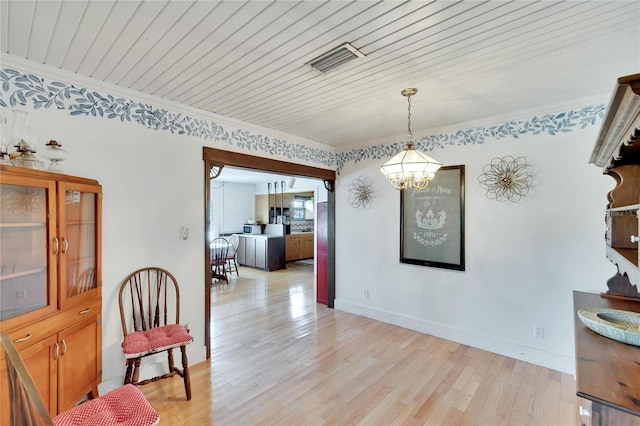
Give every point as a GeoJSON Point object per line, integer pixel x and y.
{"type": "Point", "coordinates": [278, 358]}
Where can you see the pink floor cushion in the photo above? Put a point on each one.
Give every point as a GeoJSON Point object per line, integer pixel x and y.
{"type": "Point", "coordinates": [140, 343]}
{"type": "Point", "coordinates": [125, 406]}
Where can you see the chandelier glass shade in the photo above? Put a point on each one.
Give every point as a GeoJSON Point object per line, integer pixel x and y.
{"type": "Point", "coordinates": [410, 169]}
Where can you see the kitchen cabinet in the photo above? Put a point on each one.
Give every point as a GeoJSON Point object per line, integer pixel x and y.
{"type": "Point", "coordinates": [262, 252]}
{"type": "Point", "coordinates": [286, 201]}
{"type": "Point", "coordinates": [50, 282]}
{"type": "Point", "coordinates": [306, 246]}
{"type": "Point", "coordinates": [299, 246]}
{"type": "Point", "coordinates": [292, 247]}
{"type": "Point", "coordinates": [262, 209]}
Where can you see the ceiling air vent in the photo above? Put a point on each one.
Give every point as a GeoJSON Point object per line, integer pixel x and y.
{"type": "Point", "coordinates": [336, 57]}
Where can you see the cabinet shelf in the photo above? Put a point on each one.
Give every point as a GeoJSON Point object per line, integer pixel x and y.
{"type": "Point", "coordinates": [620, 255]}
{"type": "Point", "coordinates": [80, 222]}
{"type": "Point", "coordinates": [22, 225]}
{"type": "Point", "coordinates": [81, 260]}
{"type": "Point", "coordinates": [625, 208]}
{"type": "Point", "coordinates": [26, 272]}
{"type": "Point", "coordinates": [630, 254]}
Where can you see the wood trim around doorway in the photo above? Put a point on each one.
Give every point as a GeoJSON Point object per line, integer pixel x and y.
{"type": "Point", "coordinates": [217, 157]}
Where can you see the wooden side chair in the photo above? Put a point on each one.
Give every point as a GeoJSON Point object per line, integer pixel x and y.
{"type": "Point", "coordinates": [125, 406]}
{"type": "Point", "coordinates": [85, 282]}
{"type": "Point", "coordinates": [219, 255]}
{"type": "Point", "coordinates": [149, 301]}
{"type": "Point", "coordinates": [232, 255]}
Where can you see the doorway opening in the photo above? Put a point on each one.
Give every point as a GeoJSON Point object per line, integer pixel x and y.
{"type": "Point", "coordinates": [215, 160]}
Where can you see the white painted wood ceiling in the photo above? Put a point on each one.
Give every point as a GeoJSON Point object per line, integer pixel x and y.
{"type": "Point", "coordinates": [246, 59]}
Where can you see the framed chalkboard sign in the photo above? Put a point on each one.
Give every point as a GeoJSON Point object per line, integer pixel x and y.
{"type": "Point", "coordinates": [432, 221]}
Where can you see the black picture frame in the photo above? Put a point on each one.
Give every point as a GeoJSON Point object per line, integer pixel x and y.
{"type": "Point", "coordinates": [432, 222]}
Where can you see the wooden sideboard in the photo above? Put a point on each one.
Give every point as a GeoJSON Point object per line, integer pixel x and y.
{"type": "Point", "coordinates": [50, 282]}
{"type": "Point", "coordinates": [607, 371]}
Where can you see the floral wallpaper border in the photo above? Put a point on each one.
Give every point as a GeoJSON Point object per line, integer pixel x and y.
{"type": "Point", "coordinates": [22, 89]}
{"type": "Point", "coordinates": [550, 124]}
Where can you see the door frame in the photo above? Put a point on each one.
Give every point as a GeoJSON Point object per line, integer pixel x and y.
{"type": "Point", "coordinates": [214, 161]}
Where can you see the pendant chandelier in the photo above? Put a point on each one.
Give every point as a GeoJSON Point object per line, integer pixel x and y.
{"type": "Point", "coordinates": [410, 168]}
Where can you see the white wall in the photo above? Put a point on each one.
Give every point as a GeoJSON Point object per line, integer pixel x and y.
{"type": "Point", "coordinates": [522, 260]}
{"type": "Point", "coordinates": [232, 204]}
{"type": "Point", "coordinates": [150, 188]}
{"type": "Point", "coordinates": [153, 184]}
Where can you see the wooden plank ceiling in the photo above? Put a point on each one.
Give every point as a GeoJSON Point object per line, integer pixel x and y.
{"type": "Point", "coordinates": [246, 59]}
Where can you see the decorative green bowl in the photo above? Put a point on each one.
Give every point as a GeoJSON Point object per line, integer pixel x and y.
{"type": "Point", "coordinates": [623, 326]}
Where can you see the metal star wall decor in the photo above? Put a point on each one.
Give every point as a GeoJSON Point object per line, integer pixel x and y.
{"type": "Point", "coordinates": [507, 178]}
{"type": "Point", "coordinates": [361, 193]}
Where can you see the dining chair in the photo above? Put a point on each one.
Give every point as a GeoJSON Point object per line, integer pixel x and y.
{"type": "Point", "coordinates": [219, 256]}
{"type": "Point", "coordinates": [125, 406]}
{"type": "Point", "coordinates": [85, 282]}
{"type": "Point", "coordinates": [232, 255]}
{"type": "Point", "coordinates": [149, 301]}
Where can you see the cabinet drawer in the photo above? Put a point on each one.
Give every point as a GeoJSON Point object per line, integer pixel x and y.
{"type": "Point", "coordinates": [80, 312]}
{"type": "Point", "coordinates": [34, 333]}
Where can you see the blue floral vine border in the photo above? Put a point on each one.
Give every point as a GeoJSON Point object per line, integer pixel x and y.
{"type": "Point", "coordinates": [550, 124]}
{"type": "Point", "coordinates": [20, 88]}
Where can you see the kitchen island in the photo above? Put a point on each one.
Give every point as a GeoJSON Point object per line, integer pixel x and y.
{"type": "Point", "coordinates": [262, 251]}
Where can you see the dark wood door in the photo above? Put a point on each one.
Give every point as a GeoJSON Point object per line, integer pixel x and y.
{"type": "Point", "coordinates": [322, 244]}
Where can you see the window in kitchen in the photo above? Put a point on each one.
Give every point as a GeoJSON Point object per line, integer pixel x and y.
{"type": "Point", "coordinates": [302, 208]}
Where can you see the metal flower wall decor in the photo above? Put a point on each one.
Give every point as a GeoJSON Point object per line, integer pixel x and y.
{"type": "Point", "coordinates": [506, 178]}
{"type": "Point", "coordinates": [361, 193]}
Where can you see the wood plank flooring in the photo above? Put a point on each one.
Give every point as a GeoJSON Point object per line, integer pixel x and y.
{"type": "Point", "coordinates": [278, 358]}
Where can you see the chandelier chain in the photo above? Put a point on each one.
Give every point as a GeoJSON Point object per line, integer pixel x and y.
{"type": "Point", "coordinates": [409, 133]}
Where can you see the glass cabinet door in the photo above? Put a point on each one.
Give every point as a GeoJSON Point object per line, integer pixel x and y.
{"type": "Point", "coordinates": [27, 244]}
{"type": "Point", "coordinates": [78, 211]}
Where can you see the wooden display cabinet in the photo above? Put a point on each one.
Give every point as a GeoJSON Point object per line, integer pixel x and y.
{"type": "Point", "coordinates": [607, 371]}
{"type": "Point", "coordinates": [617, 151]}
{"type": "Point", "coordinates": [50, 282]}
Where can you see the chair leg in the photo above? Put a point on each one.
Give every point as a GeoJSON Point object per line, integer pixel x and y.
{"type": "Point", "coordinates": [136, 371]}
{"type": "Point", "coordinates": [129, 372]}
{"type": "Point", "coordinates": [235, 266]}
{"type": "Point", "coordinates": [185, 372]}
{"type": "Point", "coordinates": [93, 393]}
{"type": "Point", "coordinates": [170, 361]}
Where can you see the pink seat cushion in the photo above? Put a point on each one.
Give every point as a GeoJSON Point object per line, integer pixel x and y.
{"type": "Point", "coordinates": [125, 406]}
{"type": "Point", "coordinates": [140, 343]}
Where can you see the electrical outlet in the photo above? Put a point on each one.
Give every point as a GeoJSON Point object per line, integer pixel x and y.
{"type": "Point", "coordinates": [184, 232]}
{"type": "Point", "coordinates": [366, 294]}
{"type": "Point", "coordinates": [538, 331]}
{"type": "Point", "coordinates": [21, 294]}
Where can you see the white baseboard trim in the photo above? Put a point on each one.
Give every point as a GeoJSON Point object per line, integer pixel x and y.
{"type": "Point", "coordinates": [488, 343]}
